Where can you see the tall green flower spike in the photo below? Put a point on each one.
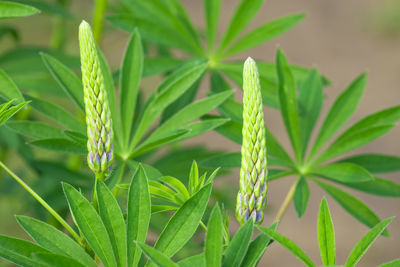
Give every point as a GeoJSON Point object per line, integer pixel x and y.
{"type": "Point", "coordinates": [98, 117]}
{"type": "Point", "coordinates": [251, 198]}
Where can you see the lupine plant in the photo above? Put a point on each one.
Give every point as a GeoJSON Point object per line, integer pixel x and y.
{"type": "Point", "coordinates": [131, 213]}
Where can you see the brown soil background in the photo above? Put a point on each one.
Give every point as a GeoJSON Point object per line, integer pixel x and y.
{"type": "Point", "coordinates": [337, 37]}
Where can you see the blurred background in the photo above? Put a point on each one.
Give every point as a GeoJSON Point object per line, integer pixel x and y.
{"type": "Point", "coordinates": [340, 38]}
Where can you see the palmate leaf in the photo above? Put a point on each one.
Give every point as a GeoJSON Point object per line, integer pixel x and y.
{"type": "Point", "coordinates": [244, 13]}
{"type": "Point", "coordinates": [15, 10]}
{"type": "Point", "coordinates": [264, 33]}
{"type": "Point", "coordinates": [214, 238]}
{"type": "Point", "coordinates": [19, 251]}
{"type": "Point", "coordinates": [48, 259]}
{"type": "Point", "coordinates": [91, 225]}
{"type": "Point", "coordinates": [168, 91]}
{"type": "Point", "coordinates": [288, 103]}
{"type": "Point", "coordinates": [35, 129]}
{"type": "Point", "coordinates": [68, 81]}
{"type": "Point", "coordinates": [139, 212]}
{"type": "Point", "coordinates": [157, 257]}
{"type": "Point", "coordinates": [348, 143]}
{"type": "Point", "coordinates": [54, 240]}
{"type": "Point", "coordinates": [301, 196]}
{"type": "Point", "coordinates": [183, 223]}
{"type": "Point", "coordinates": [340, 112]}
{"type": "Point", "coordinates": [8, 89]}
{"type": "Point", "coordinates": [352, 205]}
{"type": "Point", "coordinates": [236, 250]}
{"type": "Point", "coordinates": [310, 101]}
{"type": "Point", "coordinates": [378, 186]}
{"type": "Point", "coordinates": [363, 245]}
{"type": "Point", "coordinates": [326, 235]}
{"type": "Point", "coordinates": [191, 112]}
{"type": "Point", "coordinates": [131, 73]}
{"type": "Point", "coordinates": [211, 11]}
{"type": "Point", "coordinates": [343, 172]}
{"type": "Point", "coordinates": [375, 163]}
{"type": "Point", "coordinates": [57, 114]}
{"type": "Point", "coordinates": [63, 145]}
{"type": "Point", "coordinates": [7, 111]}
{"type": "Point", "coordinates": [156, 65]}
{"type": "Point", "coordinates": [288, 244]}
{"type": "Point", "coordinates": [113, 219]}
{"type": "Point", "coordinates": [196, 260]}
{"type": "Point", "coordinates": [394, 263]}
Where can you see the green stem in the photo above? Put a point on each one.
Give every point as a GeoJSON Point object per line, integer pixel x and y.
{"type": "Point", "coordinates": [43, 203]}
{"type": "Point", "coordinates": [203, 226]}
{"type": "Point", "coordinates": [98, 17]}
{"type": "Point", "coordinates": [286, 202]}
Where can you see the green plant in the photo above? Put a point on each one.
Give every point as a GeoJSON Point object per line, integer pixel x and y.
{"type": "Point", "coordinates": [300, 112]}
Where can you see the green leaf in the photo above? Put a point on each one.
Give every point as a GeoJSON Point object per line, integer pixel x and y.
{"type": "Point", "coordinates": [352, 205]}
{"type": "Point", "coordinates": [198, 128]}
{"type": "Point", "coordinates": [162, 208]}
{"type": "Point", "coordinates": [348, 143]}
{"type": "Point", "coordinates": [6, 112]}
{"type": "Point", "coordinates": [57, 114]}
{"type": "Point", "coordinates": [60, 145]}
{"type": "Point", "coordinates": [156, 256]}
{"type": "Point", "coordinates": [378, 186]}
{"type": "Point", "coordinates": [381, 118]}
{"type": "Point", "coordinates": [35, 129]}
{"type": "Point", "coordinates": [172, 88]}
{"type": "Point", "coordinates": [365, 242]}
{"type": "Point", "coordinates": [394, 263]}
{"type": "Point", "coordinates": [375, 163]}
{"type": "Point", "coordinates": [326, 235]}
{"type": "Point", "coordinates": [54, 240]}
{"type": "Point", "coordinates": [90, 224]}
{"type": "Point", "coordinates": [191, 112]}
{"type": "Point", "coordinates": [183, 223]}
{"type": "Point", "coordinates": [131, 73]}
{"type": "Point", "coordinates": [8, 89]}
{"type": "Point", "coordinates": [288, 102]}
{"type": "Point", "coordinates": [211, 10]}
{"type": "Point", "coordinates": [244, 13]}
{"type": "Point", "coordinates": [301, 196]}
{"type": "Point", "coordinates": [223, 160]}
{"type": "Point", "coordinates": [151, 172]}
{"type": "Point", "coordinates": [139, 212]}
{"type": "Point", "coordinates": [343, 172]}
{"type": "Point", "coordinates": [257, 248]}
{"type": "Point", "coordinates": [48, 259]}
{"type": "Point", "coordinates": [19, 251]}
{"type": "Point", "coordinates": [196, 260]}
{"type": "Point", "coordinates": [310, 101]}
{"type": "Point", "coordinates": [113, 219]}
{"type": "Point", "coordinates": [15, 10]}
{"type": "Point", "coordinates": [340, 112]}
{"type": "Point", "coordinates": [160, 140]}
{"type": "Point", "coordinates": [68, 81]}
{"type": "Point", "coordinates": [214, 238]}
{"type": "Point", "coordinates": [264, 33]}
{"type": "Point", "coordinates": [156, 65]}
{"type": "Point", "coordinates": [177, 185]}
{"type": "Point", "coordinates": [236, 250]}
{"type": "Point", "coordinates": [289, 245]}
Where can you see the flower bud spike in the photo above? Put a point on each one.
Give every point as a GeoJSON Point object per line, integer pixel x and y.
{"type": "Point", "coordinates": [251, 197]}
{"type": "Point", "coordinates": [98, 117]}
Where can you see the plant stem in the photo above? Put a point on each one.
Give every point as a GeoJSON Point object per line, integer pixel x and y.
{"type": "Point", "coordinates": [43, 203]}
{"type": "Point", "coordinates": [203, 226]}
{"type": "Point", "coordinates": [286, 202]}
{"type": "Point", "coordinates": [98, 17]}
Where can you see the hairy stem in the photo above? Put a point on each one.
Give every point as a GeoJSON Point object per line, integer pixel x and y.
{"type": "Point", "coordinates": [286, 202]}
{"type": "Point", "coordinates": [43, 203]}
